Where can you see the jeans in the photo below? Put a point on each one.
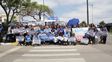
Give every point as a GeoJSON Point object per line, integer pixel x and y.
{"type": "Point", "coordinates": [103, 39]}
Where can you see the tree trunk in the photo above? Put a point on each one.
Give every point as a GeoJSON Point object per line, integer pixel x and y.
{"type": "Point", "coordinates": [11, 17]}
{"type": "Point", "coordinates": [39, 16]}
{"type": "Point", "coordinates": [7, 24]}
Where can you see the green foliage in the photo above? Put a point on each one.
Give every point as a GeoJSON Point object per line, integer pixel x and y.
{"type": "Point", "coordinates": [44, 8]}
{"type": "Point", "coordinates": [83, 24]}
{"type": "Point", "coordinates": [102, 23]}
{"type": "Point", "coordinates": [11, 7]}
{"type": "Point", "coordinates": [23, 7]}
{"type": "Point", "coordinates": [34, 9]}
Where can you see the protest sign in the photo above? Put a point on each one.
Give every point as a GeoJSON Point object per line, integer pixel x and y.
{"type": "Point", "coordinates": [79, 32]}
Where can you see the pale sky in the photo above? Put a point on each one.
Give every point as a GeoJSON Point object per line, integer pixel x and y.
{"type": "Point", "coordinates": [99, 9]}
{"type": "Point", "coordinates": [67, 9]}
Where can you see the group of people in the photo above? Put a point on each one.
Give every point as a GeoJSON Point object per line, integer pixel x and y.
{"type": "Point", "coordinates": [93, 33]}
{"type": "Point", "coordinates": [55, 34]}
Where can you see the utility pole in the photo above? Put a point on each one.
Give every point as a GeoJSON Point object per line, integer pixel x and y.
{"type": "Point", "coordinates": [92, 13]}
{"type": "Point", "coordinates": [87, 3]}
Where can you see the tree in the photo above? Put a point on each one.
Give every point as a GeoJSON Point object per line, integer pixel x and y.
{"type": "Point", "coordinates": [83, 24]}
{"type": "Point", "coordinates": [42, 9]}
{"type": "Point", "coordinates": [22, 7]}
{"type": "Point", "coordinates": [102, 23]}
{"type": "Point", "coordinates": [10, 7]}
{"type": "Point", "coordinates": [28, 8]}
{"type": "Point", "coordinates": [34, 9]}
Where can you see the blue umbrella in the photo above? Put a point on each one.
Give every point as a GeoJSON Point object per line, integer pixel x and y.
{"type": "Point", "coordinates": [73, 22]}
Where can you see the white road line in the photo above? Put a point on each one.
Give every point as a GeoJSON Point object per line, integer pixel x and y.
{"type": "Point", "coordinates": [44, 55]}
{"type": "Point", "coordinates": [9, 51]}
{"type": "Point", "coordinates": [57, 50]}
{"type": "Point", "coordinates": [55, 47]}
{"type": "Point", "coordinates": [51, 60]}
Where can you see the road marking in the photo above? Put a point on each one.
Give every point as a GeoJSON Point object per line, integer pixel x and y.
{"type": "Point", "coordinates": [57, 50]}
{"type": "Point", "coordinates": [44, 55]}
{"type": "Point", "coordinates": [51, 60]}
{"type": "Point", "coordinates": [9, 51]}
{"type": "Point", "coordinates": [55, 47]}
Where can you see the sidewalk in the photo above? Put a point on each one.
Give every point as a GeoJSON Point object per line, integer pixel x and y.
{"type": "Point", "coordinates": [9, 44]}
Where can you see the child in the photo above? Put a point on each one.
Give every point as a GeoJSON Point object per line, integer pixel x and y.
{"type": "Point", "coordinates": [28, 39]}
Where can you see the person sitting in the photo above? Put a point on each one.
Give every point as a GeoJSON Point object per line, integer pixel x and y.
{"type": "Point", "coordinates": [59, 40]}
{"type": "Point", "coordinates": [51, 37]}
{"type": "Point", "coordinates": [36, 40]}
{"type": "Point", "coordinates": [47, 29]}
{"type": "Point", "coordinates": [20, 39]}
{"type": "Point", "coordinates": [72, 40]}
{"type": "Point", "coordinates": [28, 40]}
{"type": "Point", "coordinates": [43, 37]}
{"type": "Point", "coordinates": [66, 35]}
{"type": "Point", "coordinates": [91, 33]}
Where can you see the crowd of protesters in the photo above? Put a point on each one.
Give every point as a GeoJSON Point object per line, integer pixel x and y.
{"type": "Point", "coordinates": [54, 34]}
{"type": "Point", "coordinates": [93, 34]}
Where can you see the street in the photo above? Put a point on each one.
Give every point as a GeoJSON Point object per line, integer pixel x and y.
{"type": "Point", "coordinates": [57, 53]}
{"type": "Point", "coordinates": [51, 53]}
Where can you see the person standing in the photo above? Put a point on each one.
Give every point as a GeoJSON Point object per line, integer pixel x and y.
{"type": "Point", "coordinates": [103, 36]}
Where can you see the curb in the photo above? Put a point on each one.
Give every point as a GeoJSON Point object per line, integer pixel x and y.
{"type": "Point", "coordinates": [9, 44]}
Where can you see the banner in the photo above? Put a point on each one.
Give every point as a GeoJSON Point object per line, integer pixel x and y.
{"type": "Point", "coordinates": [79, 32]}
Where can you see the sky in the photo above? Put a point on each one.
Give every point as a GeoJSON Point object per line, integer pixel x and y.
{"type": "Point", "coordinates": [99, 10]}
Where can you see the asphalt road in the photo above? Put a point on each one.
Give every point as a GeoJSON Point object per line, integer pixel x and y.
{"type": "Point", "coordinates": [56, 53]}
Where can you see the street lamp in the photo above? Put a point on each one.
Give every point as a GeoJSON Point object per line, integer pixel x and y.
{"type": "Point", "coordinates": [87, 3]}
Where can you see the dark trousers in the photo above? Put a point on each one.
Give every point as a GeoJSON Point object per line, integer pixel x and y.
{"type": "Point", "coordinates": [28, 43]}
{"type": "Point", "coordinates": [91, 38]}
{"type": "Point", "coordinates": [103, 39]}
{"type": "Point", "coordinates": [21, 43]}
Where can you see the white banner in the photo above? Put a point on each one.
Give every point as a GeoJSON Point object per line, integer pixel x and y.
{"type": "Point", "coordinates": [79, 32]}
